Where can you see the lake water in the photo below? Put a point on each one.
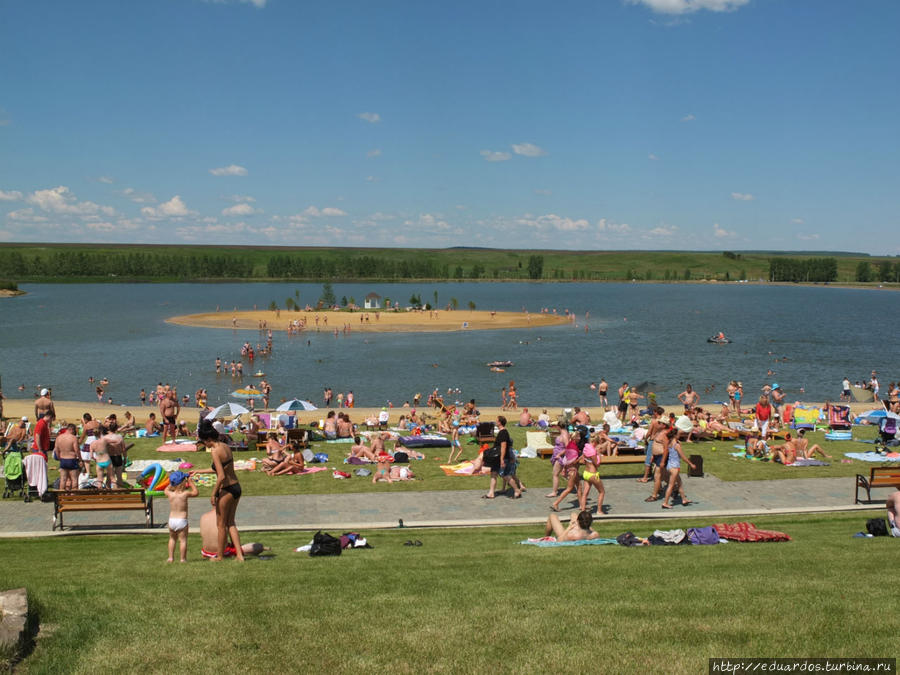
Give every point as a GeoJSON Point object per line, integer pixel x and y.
{"type": "Point", "coordinates": [59, 335]}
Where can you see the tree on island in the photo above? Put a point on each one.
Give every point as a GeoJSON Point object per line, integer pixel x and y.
{"type": "Point", "coordinates": [328, 299]}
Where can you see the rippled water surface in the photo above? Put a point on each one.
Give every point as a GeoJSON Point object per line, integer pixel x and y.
{"type": "Point", "coordinates": [59, 335]}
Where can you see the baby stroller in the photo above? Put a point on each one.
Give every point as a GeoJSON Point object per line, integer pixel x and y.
{"type": "Point", "coordinates": [887, 429]}
{"type": "Point", "coordinates": [14, 472]}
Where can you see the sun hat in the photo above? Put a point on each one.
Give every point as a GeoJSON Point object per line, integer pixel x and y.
{"type": "Point", "coordinates": [177, 478]}
{"type": "Point", "coordinates": [44, 392]}
{"type": "Point", "coordinates": [775, 385]}
{"type": "Point", "coordinates": [24, 418]}
{"type": "Point", "coordinates": [684, 424]}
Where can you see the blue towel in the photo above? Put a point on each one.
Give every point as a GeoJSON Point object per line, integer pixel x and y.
{"type": "Point", "coordinates": [580, 542]}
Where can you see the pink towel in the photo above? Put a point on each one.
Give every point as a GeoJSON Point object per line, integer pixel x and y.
{"type": "Point", "coordinates": [36, 470]}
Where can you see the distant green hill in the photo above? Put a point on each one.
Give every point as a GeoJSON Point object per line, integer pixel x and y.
{"type": "Point", "coordinates": [112, 263]}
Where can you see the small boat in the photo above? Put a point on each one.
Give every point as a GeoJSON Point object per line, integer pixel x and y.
{"type": "Point", "coordinates": [495, 369]}
{"type": "Point", "coordinates": [259, 373]}
{"type": "Point", "coordinates": [500, 364]}
{"type": "Point", "coordinates": [719, 339]}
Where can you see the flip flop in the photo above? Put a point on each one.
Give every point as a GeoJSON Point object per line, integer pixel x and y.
{"type": "Point", "coordinates": [652, 499]}
{"type": "Point", "coordinates": [517, 496]}
{"type": "Point", "coordinates": [643, 480]}
{"type": "Point", "coordinates": [486, 497]}
{"type": "Point", "coordinates": [417, 543]}
{"type": "Point", "coordinates": [408, 542]}
{"type": "Point", "coordinates": [687, 502]}
{"type": "Point", "coordinates": [667, 506]}
{"type": "Point", "coordinates": [554, 508]}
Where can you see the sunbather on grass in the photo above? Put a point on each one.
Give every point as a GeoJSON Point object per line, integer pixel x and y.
{"type": "Point", "coordinates": [579, 527]}
{"type": "Point", "coordinates": [804, 449]}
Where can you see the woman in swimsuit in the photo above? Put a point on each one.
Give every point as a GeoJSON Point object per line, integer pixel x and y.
{"type": "Point", "coordinates": [559, 449]}
{"type": "Point", "coordinates": [590, 474]}
{"type": "Point", "coordinates": [674, 467]}
{"type": "Point", "coordinates": [227, 491]}
{"type": "Point", "coordinates": [570, 467]}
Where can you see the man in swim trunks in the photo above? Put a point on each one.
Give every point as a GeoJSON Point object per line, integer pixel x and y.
{"type": "Point", "coordinates": [209, 534]}
{"type": "Point", "coordinates": [152, 426]}
{"type": "Point", "coordinates": [168, 410]}
{"type": "Point", "coordinates": [43, 405]}
{"type": "Point", "coordinates": [623, 401]}
{"type": "Point", "coordinates": [602, 390]}
{"type": "Point", "coordinates": [893, 512]}
{"type": "Point", "coordinates": [579, 527]}
{"type": "Point", "coordinates": [115, 446]}
{"type": "Point", "coordinates": [845, 389]}
{"type": "Point", "coordinates": [581, 417]}
{"type": "Point", "coordinates": [69, 461]}
{"type": "Point", "coordinates": [689, 398]}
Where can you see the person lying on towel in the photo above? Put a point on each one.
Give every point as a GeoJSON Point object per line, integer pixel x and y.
{"type": "Point", "coordinates": [579, 527]}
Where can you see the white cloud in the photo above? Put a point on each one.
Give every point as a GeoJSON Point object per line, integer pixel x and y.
{"type": "Point", "coordinates": [11, 196]}
{"type": "Point", "coordinates": [528, 150]}
{"type": "Point", "coordinates": [742, 197]}
{"type": "Point", "coordinates": [230, 170]}
{"type": "Point", "coordinates": [688, 118]}
{"type": "Point", "coordinates": [689, 6]}
{"type": "Point", "coordinates": [617, 228]}
{"type": "Point", "coordinates": [242, 209]}
{"type": "Point", "coordinates": [798, 221]}
{"type": "Point", "coordinates": [720, 232]}
{"type": "Point", "coordinates": [371, 179]}
{"type": "Point", "coordinates": [374, 118]}
{"type": "Point", "coordinates": [26, 216]}
{"type": "Point", "coordinates": [652, 156]}
{"type": "Point", "coordinates": [493, 156]}
{"type": "Point", "coordinates": [807, 237]}
{"type": "Point", "coordinates": [663, 231]}
{"type": "Point", "coordinates": [106, 179]}
{"type": "Point", "coordinates": [560, 223]}
{"type": "Point", "coordinates": [174, 208]}
{"type": "Point", "coordinates": [315, 212]}
{"type": "Point", "coordinates": [139, 197]}
{"type": "Point", "coordinates": [239, 198]}
{"type": "Point", "coordinates": [428, 221]}
{"type": "Point", "coordinates": [543, 192]}
{"type": "Point", "coordinates": [61, 200]}
{"type": "Point", "coordinates": [374, 153]}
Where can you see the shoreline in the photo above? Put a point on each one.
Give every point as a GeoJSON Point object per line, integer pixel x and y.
{"type": "Point", "coordinates": [71, 411]}
{"type": "Point", "coordinates": [371, 321]}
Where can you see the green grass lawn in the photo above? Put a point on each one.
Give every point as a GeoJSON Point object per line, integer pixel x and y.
{"type": "Point", "coordinates": [467, 600]}
{"type": "Point", "coordinates": [534, 472]}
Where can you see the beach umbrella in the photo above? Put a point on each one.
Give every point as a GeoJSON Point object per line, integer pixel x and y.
{"type": "Point", "coordinates": [295, 404]}
{"type": "Point", "coordinates": [247, 392]}
{"type": "Point", "coordinates": [227, 410]}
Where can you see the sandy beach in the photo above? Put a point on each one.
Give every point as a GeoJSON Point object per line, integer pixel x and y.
{"type": "Point", "coordinates": [373, 322]}
{"type": "Point", "coordinates": [71, 411]}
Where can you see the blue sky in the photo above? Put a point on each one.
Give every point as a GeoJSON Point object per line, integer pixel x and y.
{"type": "Point", "coordinates": [582, 124]}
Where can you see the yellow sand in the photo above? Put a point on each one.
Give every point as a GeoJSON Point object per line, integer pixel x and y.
{"type": "Point", "coordinates": [71, 411]}
{"type": "Point", "coordinates": [378, 322]}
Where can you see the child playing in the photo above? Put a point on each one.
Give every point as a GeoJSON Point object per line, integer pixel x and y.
{"type": "Point", "coordinates": [455, 445]}
{"type": "Point", "coordinates": [179, 490]}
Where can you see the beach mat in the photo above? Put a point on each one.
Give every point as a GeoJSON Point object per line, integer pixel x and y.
{"type": "Point", "coordinates": [550, 542]}
{"type": "Point", "coordinates": [177, 447]}
{"type": "Point", "coordinates": [462, 469]}
{"type": "Point", "coordinates": [874, 456]}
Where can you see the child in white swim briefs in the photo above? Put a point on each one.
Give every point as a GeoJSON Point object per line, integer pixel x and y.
{"type": "Point", "coordinates": [178, 491]}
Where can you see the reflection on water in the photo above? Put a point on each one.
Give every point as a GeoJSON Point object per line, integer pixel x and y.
{"type": "Point", "coordinates": [59, 335]}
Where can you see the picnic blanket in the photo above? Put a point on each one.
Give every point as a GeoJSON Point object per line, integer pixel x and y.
{"type": "Point", "coordinates": [311, 469]}
{"type": "Point", "coordinates": [748, 532]}
{"type": "Point", "coordinates": [547, 542]}
{"type": "Point", "coordinates": [874, 456]}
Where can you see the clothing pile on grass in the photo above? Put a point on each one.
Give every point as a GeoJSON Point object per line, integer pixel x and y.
{"type": "Point", "coordinates": [720, 533]}
{"type": "Point", "coordinates": [323, 544]}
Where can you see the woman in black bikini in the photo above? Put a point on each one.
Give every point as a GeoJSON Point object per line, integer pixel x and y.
{"type": "Point", "coordinates": [227, 491]}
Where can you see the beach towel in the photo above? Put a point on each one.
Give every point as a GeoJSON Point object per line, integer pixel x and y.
{"type": "Point", "coordinates": [178, 446]}
{"type": "Point", "coordinates": [311, 469]}
{"type": "Point", "coordinates": [747, 532]}
{"type": "Point", "coordinates": [36, 470]}
{"type": "Point", "coordinates": [462, 469]}
{"type": "Point", "coordinates": [808, 462]}
{"type": "Point", "coordinates": [874, 456]}
{"type": "Point", "coordinates": [550, 542]}
{"type": "Point", "coordinates": [806, 418]}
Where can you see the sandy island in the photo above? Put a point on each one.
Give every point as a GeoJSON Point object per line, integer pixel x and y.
{"type": "Point", "coordinates": [378, 322]}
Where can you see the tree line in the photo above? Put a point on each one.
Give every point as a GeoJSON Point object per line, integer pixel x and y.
{"type": "Point", "coordinates": [803, 269]}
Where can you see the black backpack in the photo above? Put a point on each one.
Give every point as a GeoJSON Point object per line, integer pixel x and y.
{"type": "Point", "coordinates": [401, 457]}
{"type": "Point", "coordinates": [877, 527]}
{"type": "Point", "coordinates": [325, 544]}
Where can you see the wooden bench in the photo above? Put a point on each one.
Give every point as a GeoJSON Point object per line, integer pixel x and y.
{"type": "Point", "coordinates": [131, 499]}
{"type": "Point", "coordinates": [879, 476]}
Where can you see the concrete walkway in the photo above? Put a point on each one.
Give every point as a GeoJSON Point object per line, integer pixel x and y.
{"type": "Point", "coordinates": [712, 498]}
